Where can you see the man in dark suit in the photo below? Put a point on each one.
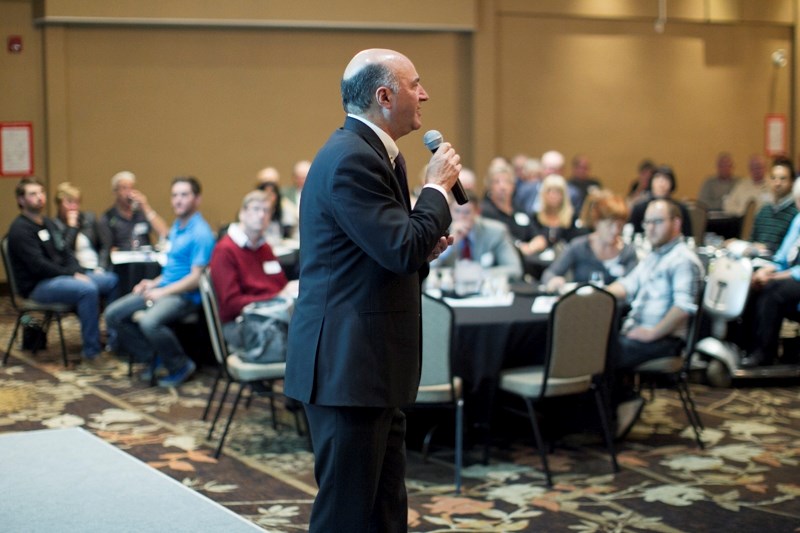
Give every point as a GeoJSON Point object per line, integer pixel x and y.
{"type": "Point", "coordinates": [354, 341]}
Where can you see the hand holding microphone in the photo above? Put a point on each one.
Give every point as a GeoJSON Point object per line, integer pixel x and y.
{"type": "Point", "coordinates": [445, 164]}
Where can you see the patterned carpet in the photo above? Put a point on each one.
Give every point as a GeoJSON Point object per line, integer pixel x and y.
{"type": "Point", "coordinates": [746, 480]}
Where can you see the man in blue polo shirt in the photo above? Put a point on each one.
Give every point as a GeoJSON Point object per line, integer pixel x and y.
{"type": "Point", "coordinates": [170, 296]}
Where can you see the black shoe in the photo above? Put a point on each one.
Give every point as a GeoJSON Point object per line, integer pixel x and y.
{"type": "Point", "coordinates": [751, 360]}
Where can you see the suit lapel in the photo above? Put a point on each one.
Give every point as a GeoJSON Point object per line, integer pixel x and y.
{"type": "Point", "coordinates": [400, 184]}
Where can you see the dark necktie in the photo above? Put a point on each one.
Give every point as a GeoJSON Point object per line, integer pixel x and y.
{"type": "Point", "coordinates": [466, 249]}
{"type": "Point", "coordinates": [402, 177]}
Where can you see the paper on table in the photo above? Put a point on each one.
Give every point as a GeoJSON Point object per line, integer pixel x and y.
{"type": "Point", "coordinates": [120, 257]}
{"type": "Point", "coordinates": [543, 304]}
{"type": "Point", "coordinates": [503, 300]}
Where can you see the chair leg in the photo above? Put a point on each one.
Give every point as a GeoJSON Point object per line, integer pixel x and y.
{"type": "Point", "coordinates": [230, 419]}
{"type": "Point", "coordinates": [272, 409]}
{"type": "Point", "coordinates": [691, 412]}
{"type": "Point", "coordinates": [426, 442]}
{"type": "Point", "coordinates": [211, 395]}
{"type": "Point", "coordinates": [61, 338]}
{"type": "Point", "coordinates": [692, 405]}
{"type": "Point", "coordinates": [539, 442]}
{"type": "Point", "coordinates": [13, 337]}
{"type": "Point", "coordinates": [602, 408]}
{"type": "Point", "coordinates": [459, 441]}
{"type": "Point", "coordinates": [219, 409]}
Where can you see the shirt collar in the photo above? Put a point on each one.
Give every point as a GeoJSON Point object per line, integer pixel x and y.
{"type": "Point", "coordinates": [783, 202]}
{"type": "Point", "coordinates": [240, 238]}
{"type": "Point", "coordinates": [666, 248]}
{"type": "Point", "coordinates": [388, 142]}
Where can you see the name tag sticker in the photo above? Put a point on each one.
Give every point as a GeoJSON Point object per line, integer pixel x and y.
{"type": "Point", "coordinates": [140, 228]}
{"type": "Point", "coordinates": [44, 235]}
{"type": "Point", "coordinates": [272, 267]}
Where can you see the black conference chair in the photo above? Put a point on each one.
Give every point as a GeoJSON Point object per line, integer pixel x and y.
{"type": "Point", "coordinates": [27, 307]}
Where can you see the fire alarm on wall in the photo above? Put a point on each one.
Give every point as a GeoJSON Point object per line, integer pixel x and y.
{"type": "Point", "coordinates": [15, 44]}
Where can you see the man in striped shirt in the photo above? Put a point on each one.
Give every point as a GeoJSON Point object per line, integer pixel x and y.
{"type": "Point", "coordinates": [773, 220]}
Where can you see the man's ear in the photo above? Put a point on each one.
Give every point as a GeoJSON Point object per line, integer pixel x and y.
{"type": "Point", "coordinates": [384, 97]}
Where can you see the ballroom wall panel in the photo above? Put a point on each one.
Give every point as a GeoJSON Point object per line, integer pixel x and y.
{"type": "Point", "coordinates": [222, 104]}
{"type": "Point", "coordinates": [619, 91]}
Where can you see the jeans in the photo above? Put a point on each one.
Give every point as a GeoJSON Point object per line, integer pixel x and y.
{"type": "Point", "coordinates": [152, 334]}
{"type": "Point", "coordinates": [85, 296]}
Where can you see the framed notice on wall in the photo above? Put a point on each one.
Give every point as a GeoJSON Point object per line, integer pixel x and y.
{"type": "Point", "coordinates": [16, 149]}
{"type": "Point", "coordinates": [775, 134]}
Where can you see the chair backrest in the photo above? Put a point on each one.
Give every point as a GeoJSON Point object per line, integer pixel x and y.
{"type": "Point", "coordinates": [211, 311]}
{"type": "Point", "coordinates": [727, 287]}
{"type": "Point", "coordinates": [698, 212]}
{"type": "Point", "coordinates": [580, 327]}
{"type": "Point", "coordinates": [437, 338]}
{"type": "Point", "coordinates": [12, 282]}
{"type": "Point", "coordinates": [748, 218]}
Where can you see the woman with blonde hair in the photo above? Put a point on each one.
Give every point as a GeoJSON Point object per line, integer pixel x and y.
{"type": "Point", "coordinates": [89, 241]}
{"type": "Point", "coordinates": [602, 252]}
{"type": "Point", "coordinates": [554, 224]}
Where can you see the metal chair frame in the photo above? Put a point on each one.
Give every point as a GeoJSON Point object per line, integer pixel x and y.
{"type": "Point", "coordinates": [25, 307]}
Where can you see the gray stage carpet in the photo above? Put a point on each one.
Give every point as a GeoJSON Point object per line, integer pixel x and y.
{"type": "Point", "coordinates": [70, 480]}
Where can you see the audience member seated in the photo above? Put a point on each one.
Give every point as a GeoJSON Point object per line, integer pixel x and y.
{"type": "Point", "coordinates": [601, 251]}
{"type": "Point", "coordinates": [716, 187]}
{"type": "Point", "coordinates": [526, 192]}
{"type": "Point", "coordinates": [582, 180]}
{"type": "Point", "coordinates": [275, 229]}
{"type": "Point", "coordinates": [169, 297]}
{"type": "Point", "coordinates": [131, 220]}
{"type": "Point", "coordinates": [498, 205]}
{"type": "Point", "coordinates": [484, 241]}
{"type": "Point", "coordinates": [299, 174]}
{"type": "Point", "coordinates": [641, 185]}
{"type": "Point", "coordinates": [662, 186]}
{"type": "Point", "coordinates": [518, 163]}
{"type": "Point", "coordinates": [775, 296]}
{"type": "Point", "coordinates": [662, 292]}
{"type": "Point", "coordinates": [554, 225]}
{"type": "Point", "coordinates": [46, 269]}
{"type": "Point", "coordinates": [773, 220]}
{"type": "Point", "coordinates": [755, 189]}
{"type": "Point", "coordinates": [552, 162]}
{"type": "Point", "coordinates": [82, 231]}
{"type": "Point", "coordinates": [243, 268]}
{"type": "Point", "coordinates": [289, 211]}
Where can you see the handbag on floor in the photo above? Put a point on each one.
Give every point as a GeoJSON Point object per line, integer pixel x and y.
{"type": "Point", "coordinates": [34, 337]}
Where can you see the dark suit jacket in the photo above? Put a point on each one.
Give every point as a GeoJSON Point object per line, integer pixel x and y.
{"type": "Point", "coordinates": [354, 339]}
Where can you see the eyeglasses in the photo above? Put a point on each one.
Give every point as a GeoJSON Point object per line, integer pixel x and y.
{"type": "Point", "coordinates": [653, 221]}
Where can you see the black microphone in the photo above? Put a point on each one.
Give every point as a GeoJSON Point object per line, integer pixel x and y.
{"type": "Point", "coordinates": [432, 140]}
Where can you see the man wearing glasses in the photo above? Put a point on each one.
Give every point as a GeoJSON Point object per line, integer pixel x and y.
{"type": "Point", "coordinates": [662, 293]}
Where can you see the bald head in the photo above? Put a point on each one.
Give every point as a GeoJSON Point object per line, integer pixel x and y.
{"type": "Point", "coordinates": [365, 74]}
{"type": "Point", "coordinates": [383, 87]}
{"type": "Point", "coordinates": [266, 175]}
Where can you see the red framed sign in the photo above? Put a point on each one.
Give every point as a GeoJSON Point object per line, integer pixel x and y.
{"type": "Point", "coordinates": [775, 134]}
{"type": "Point", "coordinates": [16, 149]}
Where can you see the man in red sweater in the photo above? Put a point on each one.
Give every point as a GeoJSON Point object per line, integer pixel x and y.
{"type": "Point", "coordinates": [243, 267]}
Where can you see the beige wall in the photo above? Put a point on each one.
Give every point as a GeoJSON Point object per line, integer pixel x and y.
{"type": "Point", "coordinates": [221, 104]}
{"type": "Point", "coordinates": [619, 92]}
{"type": "Point", "coordinates": [21, 94]}
{"type": "Point", "coordinates": [221, 89]}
